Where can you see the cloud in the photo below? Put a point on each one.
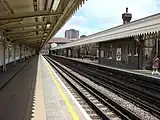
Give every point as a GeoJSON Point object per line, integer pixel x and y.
{"type": "Point", "coordinates": [113, 9]}
{"type": "Point", "coordinates": [78, 23]}
{"type": "Point", "coordinates": [98, 15]}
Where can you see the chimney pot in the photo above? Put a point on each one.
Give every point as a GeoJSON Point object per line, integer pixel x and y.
{"type": "Point", "coordinates": [127, 10]}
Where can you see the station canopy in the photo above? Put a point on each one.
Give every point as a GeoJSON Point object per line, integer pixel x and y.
{"type": "Point", "coordinates": [35, 22]}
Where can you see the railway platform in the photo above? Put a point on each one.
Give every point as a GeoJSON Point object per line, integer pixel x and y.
{"type": "Point", "coordinates": [17, 90]}
{"type": "Point", "coordinates": [59, 102]}
{"type": "Point", "coordinates": [136, 71]}
{"type": "Point", "coordinates": [36, 93]}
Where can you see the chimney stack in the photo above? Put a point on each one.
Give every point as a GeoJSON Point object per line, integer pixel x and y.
{"type": "Point", "coordinates": [126, 17]}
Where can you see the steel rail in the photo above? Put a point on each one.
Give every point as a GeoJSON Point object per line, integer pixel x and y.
{"type": "Point", "coordinates": [112, 103]}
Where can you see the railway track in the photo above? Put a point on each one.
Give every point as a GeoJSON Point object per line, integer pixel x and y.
{"type": "Point", "coordinates": [148, 101]}
{"type": "Point", "coordinates": [104, 107]}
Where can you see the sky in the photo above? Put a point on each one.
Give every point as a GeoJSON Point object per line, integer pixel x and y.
{"type": "Point", "coordinates": [98, 15]}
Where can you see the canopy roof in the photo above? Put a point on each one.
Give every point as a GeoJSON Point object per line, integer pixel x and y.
{"type": "Point", "coordinates": [142, 27]}
{"type": "Point", "coordinates": [35, 22]}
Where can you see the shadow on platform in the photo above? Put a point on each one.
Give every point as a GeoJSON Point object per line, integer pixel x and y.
{"type": "Point", "coordinates": [16, 98]}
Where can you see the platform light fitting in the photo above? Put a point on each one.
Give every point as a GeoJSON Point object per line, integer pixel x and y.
{"type": "Point", "coordinates": [45, 34]}
{"type": "Point", "coordinates": [48, 25]}
{"type": "Point", "coordinates": [44, 37]}
{"type": "Point", "coordinates": [55, 5]}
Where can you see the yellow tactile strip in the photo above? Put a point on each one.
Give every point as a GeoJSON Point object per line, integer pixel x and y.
{"type": "Point", "coordinates": [66, 101]}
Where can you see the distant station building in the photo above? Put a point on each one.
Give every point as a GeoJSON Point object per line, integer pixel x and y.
{"type": "Point", "coordinates": [59, 41]}
{"type": "Point", "coordinates": [55, 41]}
{"type": "Point", "coordinates": [72, 34]}
{"type": "Point", "coordinates": [45, 50]}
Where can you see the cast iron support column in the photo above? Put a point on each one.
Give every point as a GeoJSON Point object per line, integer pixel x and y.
{"type": "Point", "coordinates": [49, 52]}
{"type": "Point", "coordinates": [157, 43]}
{"type": "Point", "coordinates": [78, 52]}
{"type": "Point", "coordinates": [99, 50]}
{"type": "Point", "coordinates": [14, 57]}
{"type": "Point", "coordinates": [70, 52]}
{"type": "Point", "coordinates": [49, 49]}
{"type": "Point", "coordinates": [56, 52]}
{"type": "Point", "coordinates": [159, 46]}
{"type": "Point", "coordinates": [66, 52]}
{"type": "Point", "coordinates": [24, 52]}
{"type": "Point", "coordinates": [20, 57]}
{"type": "Point", "coordinates": [141, 54]}
{"type": "Point", "coordinates": [4, 52]}
{"type": "Point", "coordinates": [138, 56]}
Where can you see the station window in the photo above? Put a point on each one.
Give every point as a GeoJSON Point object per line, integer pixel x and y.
{"type": "Point", "coordinates": [135, 48]}
{"type": "Point", "coordinates": [102, 53]}
{"type": "Point", "coordinates": [129, 50]}
{"type": "Point", "coordinates": [97, 53]}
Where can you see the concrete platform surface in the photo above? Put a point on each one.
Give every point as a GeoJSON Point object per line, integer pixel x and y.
{"type": "Point", "coordinates": [59, 102]}
{"type": "Point", "coordinates": [135, 71]}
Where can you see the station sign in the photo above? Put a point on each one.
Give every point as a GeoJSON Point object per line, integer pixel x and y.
{"type": "Point", "coordinates": [118, 54]}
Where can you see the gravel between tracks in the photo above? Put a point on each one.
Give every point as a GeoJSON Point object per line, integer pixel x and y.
{"type": "Point", "coordinates": [144, 115]}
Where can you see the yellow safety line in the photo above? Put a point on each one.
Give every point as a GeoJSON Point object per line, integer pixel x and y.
{"type": "Point", "coordinates": [70, 108]}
